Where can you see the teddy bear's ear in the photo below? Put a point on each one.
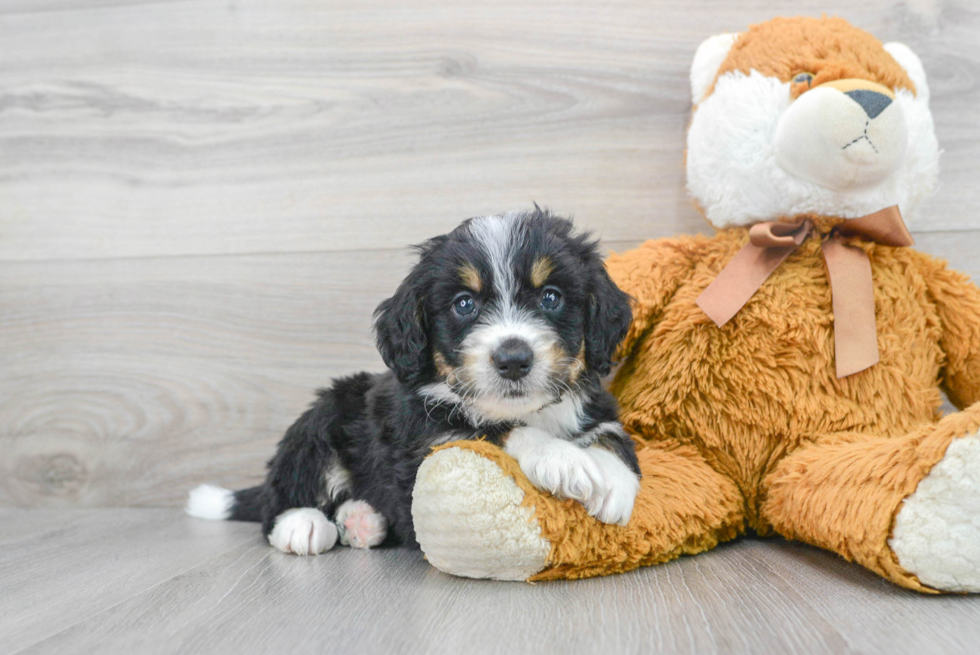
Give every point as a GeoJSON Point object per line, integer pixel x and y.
{"type": "Point", "coordinates": [707, 60]}
{"type": "Point", "coordinates": [910, 62]}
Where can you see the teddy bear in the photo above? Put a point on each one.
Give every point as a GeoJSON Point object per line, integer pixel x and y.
{"type": "Point", "coordinates": [784, 375]}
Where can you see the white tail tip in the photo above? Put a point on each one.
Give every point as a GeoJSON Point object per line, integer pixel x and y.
{"type": "Point", "coordinates": [210, 502]}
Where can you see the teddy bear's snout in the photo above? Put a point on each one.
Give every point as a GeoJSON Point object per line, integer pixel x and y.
{"type": "Point", "coordinates": [872, 102]}
{"type": "Point", "coordinates": [843, 135]}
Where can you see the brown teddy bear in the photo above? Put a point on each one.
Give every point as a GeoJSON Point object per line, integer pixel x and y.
{"type": "Point", "coordinates": [783, 375]}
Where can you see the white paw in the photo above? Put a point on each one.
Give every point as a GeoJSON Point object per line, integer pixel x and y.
{"type": "Point", "coordinates": [562, 469]}
{"type": "Point", "coordinates": [622, 485]}
{"type": "Point", "coordinates": [303, 531]}
{"type": "Point", "coordinates": [360, 525]}
{"type": "Point", "coordinates": [937, 531]}
{"type": "Point", "coordinates": [594, 477]}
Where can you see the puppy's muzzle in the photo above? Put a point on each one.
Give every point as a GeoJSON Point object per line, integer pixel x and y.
{"type": "Point", "coordinates": [513, 359]}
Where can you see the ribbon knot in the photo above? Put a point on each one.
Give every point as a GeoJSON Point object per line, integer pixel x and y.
{"type": "Point", "coordinates": [852, 289]}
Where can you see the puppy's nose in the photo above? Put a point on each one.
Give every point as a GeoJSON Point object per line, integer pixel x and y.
{"type": "Point", "coordinates": [872, 102]}
{"type": "Point", "coordinates": [513, 359]}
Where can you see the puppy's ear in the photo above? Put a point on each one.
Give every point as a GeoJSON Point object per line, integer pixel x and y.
{"type": "Point", "coordinates": [399, 329]}
{"type": "Point", "coordinates": [399, 323]}
{"type": "Point", "coordinates": [608, 319]}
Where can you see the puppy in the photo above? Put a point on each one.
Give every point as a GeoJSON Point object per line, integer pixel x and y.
{"type": "Point", "coordinates": [501, 331]}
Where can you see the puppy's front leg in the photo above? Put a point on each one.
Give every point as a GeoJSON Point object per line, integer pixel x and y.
{"type": "Point", "coordinates": [593, 476]}
{"type": "Point", "coordinates": [615, 454]}
{"type": "Point", "coordinates": [622, 485]}
{"type": "Point", "coordinates": [555, 465]}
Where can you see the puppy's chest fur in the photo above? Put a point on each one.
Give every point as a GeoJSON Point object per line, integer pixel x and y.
{"type": "Point", "coordinates": [564, 419]}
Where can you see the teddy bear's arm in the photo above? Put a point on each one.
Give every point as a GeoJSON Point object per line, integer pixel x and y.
{"type": "Point", "coordinates": [957, 301]}
{"type": "Point", "coordinates": [650, 274]}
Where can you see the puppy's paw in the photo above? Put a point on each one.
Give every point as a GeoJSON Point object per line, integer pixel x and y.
{"type": "Point", "coordinates": [360, 525]}
{"type": "Point", "coordinates": [622, 485]}
{"type": "Point", "coordinates": [303, 531]}
{"type": "Point", "coordinates": [556, 466]}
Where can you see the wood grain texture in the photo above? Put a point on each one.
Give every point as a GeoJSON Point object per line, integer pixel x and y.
{"type": "Point", "coordinates": [128, 381]}
{"type": "Point", "coordinates": [201, 203]}
{"type": "Point", "coordinates": [116, 374]}
{"type": "Point", "coordinates": [133, 128]}
{"type": "Point", "coordinates": [155, 581]}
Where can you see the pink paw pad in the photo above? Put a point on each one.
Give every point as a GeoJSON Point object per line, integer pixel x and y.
{"type": "Point", "coordinates": [361, 526]}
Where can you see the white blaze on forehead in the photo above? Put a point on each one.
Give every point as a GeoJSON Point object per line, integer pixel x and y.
{"type": "Point", "coordinates": [499, 237]}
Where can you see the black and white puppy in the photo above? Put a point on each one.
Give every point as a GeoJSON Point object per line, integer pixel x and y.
{"type": "Point", "coordinates": [501, 331]}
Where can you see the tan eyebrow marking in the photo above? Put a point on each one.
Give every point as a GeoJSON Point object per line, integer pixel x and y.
{"type": "Point", "coordinates": [470, 277]}
{"type": "Point", "coordinates": [442, 366]}
{"type": "Point", "coordinates": [540, 271]}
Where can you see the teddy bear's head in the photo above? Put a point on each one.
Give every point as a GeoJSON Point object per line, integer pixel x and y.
{"type": "Point", "coordinates": [808, 116]}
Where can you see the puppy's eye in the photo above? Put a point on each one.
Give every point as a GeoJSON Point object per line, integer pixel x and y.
{"type": "Point", "coordinates": [464, 305]}
{"type": "Point", "coordinates": [803, 78]}
{"type": "Point", "coordinates": [550, 299]}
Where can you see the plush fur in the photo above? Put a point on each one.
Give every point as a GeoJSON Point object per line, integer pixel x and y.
{"type": "Point", "coordinates": [500, 332]}
{"type": "Point", "coordinates": [747, 427]}
{"type": "Point", "coordinates": [756, 112]}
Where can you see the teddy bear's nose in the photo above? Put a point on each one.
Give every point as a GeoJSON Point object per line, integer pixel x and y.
{"type": "Point", "coordinates": [872, 102]}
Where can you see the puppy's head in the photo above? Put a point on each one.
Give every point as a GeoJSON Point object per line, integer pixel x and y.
{"type": "Point", "coordinates": [504, 315]}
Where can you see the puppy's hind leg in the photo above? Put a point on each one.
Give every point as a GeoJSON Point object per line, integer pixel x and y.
{"type": "Point", "coordinates": [360, 525]}
{"type": "Point", "coordinates": [298, 496]}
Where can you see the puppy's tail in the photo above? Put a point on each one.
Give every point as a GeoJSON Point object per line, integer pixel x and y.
{"type": "Point", "coordinates": [218, 504]}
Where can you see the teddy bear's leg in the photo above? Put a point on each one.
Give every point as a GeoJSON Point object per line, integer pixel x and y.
{"type": "Point", "coordinates": [908, 507]}
{"type": "Point", "coordinates": [477, 516]}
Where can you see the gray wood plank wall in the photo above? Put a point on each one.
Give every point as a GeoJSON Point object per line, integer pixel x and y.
{"type": "Point", "coordinates": [201, 202]}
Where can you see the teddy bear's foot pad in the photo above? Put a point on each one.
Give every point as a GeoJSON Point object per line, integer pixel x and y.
{"type": "Point", "coordinates": [937, 531]}
{"type": "Point", "coordinates": [469, 520]}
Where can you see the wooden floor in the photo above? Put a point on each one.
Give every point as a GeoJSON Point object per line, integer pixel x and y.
{"type": "Point", "coordinates": [155, 581]}
{"type": "Point", "coordinates": [201, 203]}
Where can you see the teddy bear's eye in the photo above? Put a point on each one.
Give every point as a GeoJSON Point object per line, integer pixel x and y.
{"type": "Point", "coordinates": [803, 78]}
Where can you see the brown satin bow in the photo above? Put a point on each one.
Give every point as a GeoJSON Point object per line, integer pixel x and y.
{"type": "Point", "coordinates": [855, 334]}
